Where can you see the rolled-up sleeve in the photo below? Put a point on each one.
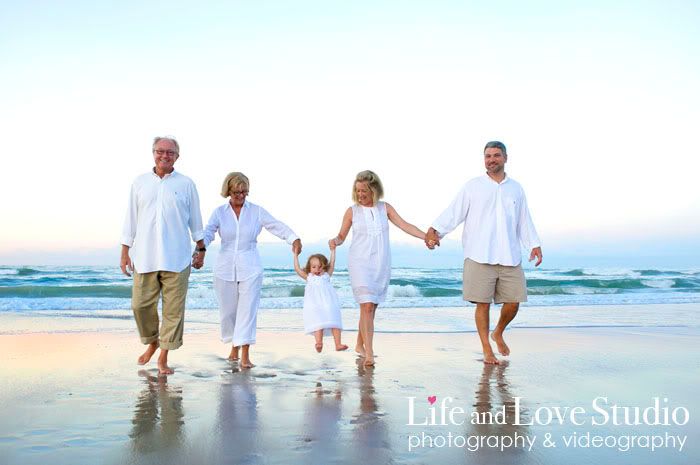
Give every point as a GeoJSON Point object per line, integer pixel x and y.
{"type": "Point", "coordinates": [131, 218]}
{"type": "Point", "coordinates": [195, 223]}
{"type": "Point", "coordinates": [276, 227]}
{"type": "Point", "coordinates": [453, 215]}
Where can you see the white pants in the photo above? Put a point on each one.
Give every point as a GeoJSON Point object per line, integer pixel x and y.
{"type": "Point", "coordinates": [238, 309]}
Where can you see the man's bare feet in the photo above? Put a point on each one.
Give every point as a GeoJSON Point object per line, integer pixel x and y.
{"type": "Point", "coordinates": [489, 357]}
{"type": "Point", "coordinates": [233, 356]}
{"type": "Point", "coordinates": [340, 347]}
{"type": "Point", "coordinates": [319, 346]}
{"type": "Point", "coordinates": [502, 347]}
{"type": "Point", "coordinates": [146, 356]}
{"type": "Point", "coordinates": [246, 364]}
{"type": "Point", "coordinates": [360, 350]}
{"type": "Point", "coordinates": [163, 368]}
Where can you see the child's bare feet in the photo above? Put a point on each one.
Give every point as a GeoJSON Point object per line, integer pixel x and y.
{"type": "Point", "coordinates": [319, 346]}
{"type": "Point", "coordinates": [340, 347]}
{"type": "Point", "coordinates": [146, 356]}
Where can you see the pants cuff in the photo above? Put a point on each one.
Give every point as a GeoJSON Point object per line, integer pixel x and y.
{"type": "Point", "coordinates": [170, 345]}
{"type": "Point", "coordinates": [148, 340]}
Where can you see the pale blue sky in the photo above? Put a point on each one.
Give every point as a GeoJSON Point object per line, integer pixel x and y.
{"type": "Point", "coordinates": [598, 105]}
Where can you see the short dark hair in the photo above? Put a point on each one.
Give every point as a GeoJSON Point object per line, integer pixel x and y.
{"type": "Point", "coordinates": [494, 144]}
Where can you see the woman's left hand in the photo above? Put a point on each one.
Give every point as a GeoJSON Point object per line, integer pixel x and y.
{"type": "Point", "coordinates": [296, 247]}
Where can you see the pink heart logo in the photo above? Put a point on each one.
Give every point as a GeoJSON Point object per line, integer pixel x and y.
{"type": "Point", "coordinates": [432, 399]}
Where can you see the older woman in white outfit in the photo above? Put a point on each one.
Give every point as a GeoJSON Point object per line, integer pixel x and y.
{"type": "Point", "coordinates": [238, 270]}
{"type": "Point", "coordinates": [369, 258]}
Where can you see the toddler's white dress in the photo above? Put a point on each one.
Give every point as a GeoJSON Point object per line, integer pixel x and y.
{"type": "Point", "coordinates": [321, 305]}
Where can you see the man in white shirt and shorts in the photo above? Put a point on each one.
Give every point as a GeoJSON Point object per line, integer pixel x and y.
{"type": "Point", "coordinates": [496, 222]}
{"type": "Point", "coordinates": [162, 219]}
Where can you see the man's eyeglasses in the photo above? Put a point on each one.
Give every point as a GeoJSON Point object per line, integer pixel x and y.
{"type": "Point", "coordinates": [170, 153]}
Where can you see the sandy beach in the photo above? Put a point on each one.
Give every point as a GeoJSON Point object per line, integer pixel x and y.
{"type": "Point", "coordinates": [77, 397]}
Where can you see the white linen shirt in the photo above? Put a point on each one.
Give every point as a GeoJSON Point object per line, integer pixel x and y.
{"type": "Point", "coordinates": [162, 214]}
{"type": "Point", "coordinates": [496, 221]}
{"type": "Point", "coordinates": [238, 258]}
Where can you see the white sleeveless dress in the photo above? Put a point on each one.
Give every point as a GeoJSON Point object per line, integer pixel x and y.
{"type": "Point", "coordinates": [369, 258]}
{"type": "Point", "coordinates": [321, 305]}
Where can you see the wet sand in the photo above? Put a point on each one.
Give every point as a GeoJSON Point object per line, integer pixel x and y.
{"type": "Point", "coordinates": [80, 398]}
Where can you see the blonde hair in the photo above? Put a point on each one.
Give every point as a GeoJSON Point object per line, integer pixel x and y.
{"type": "Point", "coordinates": [321, 258]}
{"type": "Point", "coordinates": [233, 180]}
{"type": "Point", "coordinates": [373, 182]}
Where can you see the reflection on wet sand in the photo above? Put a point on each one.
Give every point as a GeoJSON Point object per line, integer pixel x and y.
{"type": "Point", "coordinates": [492, 395]}
{"type": "Point", "coordinates": [237, 427]}
{"type": "Point", "coordinates": [322, 416]}
{"type": "Point", "coordinates": [158, 418]}
{"type": "Point", "coordinates": [370, 435]}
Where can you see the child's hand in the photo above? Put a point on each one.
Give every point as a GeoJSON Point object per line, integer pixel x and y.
{"type": "Point", "coordinates": [332, 245]}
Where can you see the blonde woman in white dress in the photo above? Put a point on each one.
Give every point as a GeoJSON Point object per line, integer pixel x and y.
{"type": "Point", "coordinates": [369, 258]}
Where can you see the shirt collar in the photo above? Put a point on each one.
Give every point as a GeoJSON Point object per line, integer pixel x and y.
{"type": "Point", "coordinates": [172, 173]}
{"type": "Point", "coordinates": [246, 204]}
{"type": "Point", "coordinates": [505, 179]}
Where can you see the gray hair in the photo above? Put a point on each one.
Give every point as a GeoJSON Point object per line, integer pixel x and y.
{"type": "Point", "coordinates": [168, 138]}
{"type": "Point", "coordinates": [494, 144]}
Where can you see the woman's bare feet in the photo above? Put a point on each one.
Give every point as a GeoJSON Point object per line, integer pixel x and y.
{"type": "Point", "coordinates": [146, 356]}
{"type": "Point", "coordinates": [233, 356]}
{"type": "Point", "coordinates": [360, 350]}
{"type": "Point", "coordinates": [319, 346]}
{"type": "Point", "coordinates": [340, 347]}
{"type": "Point", "coordinates": [246, 364]}
{"type": "Point", "coordinates": [369, 359]}
{"type": "Point", "coordinates": [498, 339]}
{"type": "Point", "coordinates": [163, 368]}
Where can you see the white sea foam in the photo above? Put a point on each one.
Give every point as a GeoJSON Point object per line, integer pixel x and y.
{"type": "Point", "coordinates": [659, 283]}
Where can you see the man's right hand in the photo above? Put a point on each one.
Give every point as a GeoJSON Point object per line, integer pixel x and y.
{"type": "Point", "coordinates": [126, 265]}
{"type": "Point", "coordinates": [432, 239]}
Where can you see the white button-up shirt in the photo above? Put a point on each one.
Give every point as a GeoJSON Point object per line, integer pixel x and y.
{"type": "Point", "coordinates": [238, 258]}
{"type": "Point", "coordinates": [496, 221]}
{"type": "Point", "coordinates": [162, 214]}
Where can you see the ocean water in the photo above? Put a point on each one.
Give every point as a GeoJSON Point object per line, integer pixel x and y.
{"type": "Point", "coordinates": [103, 288]}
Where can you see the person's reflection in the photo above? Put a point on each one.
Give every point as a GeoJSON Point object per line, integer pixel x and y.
{"type": "Point", "coordinates": [238, 420]}
{"type": "Point", "coordinates": [370, 441]}
{"type": "Point", "coordinates": [492, 395]}
{"type": "Point", "coordinates": [158, 416]}
{"type": "Point", "coordinates": [322, 415]}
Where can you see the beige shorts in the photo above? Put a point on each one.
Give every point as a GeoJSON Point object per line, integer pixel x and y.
{"type": "Point", "coordinates": [484, 283]}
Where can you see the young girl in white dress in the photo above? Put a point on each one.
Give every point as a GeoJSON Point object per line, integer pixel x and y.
{"type": "Point", "coordinates": [321, 304]}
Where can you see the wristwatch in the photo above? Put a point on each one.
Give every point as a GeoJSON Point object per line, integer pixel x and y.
{"type": "Point", "coordinates": [201, 249]}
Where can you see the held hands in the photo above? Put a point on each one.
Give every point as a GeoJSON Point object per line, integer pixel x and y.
{"type": "Point", "coordinates": [332, 245]}
{"type": "Point", "coordinates": [536, 253]}
{"type": "Point", "coordinates": [296, 247]}
{"type": "Point", "coordinates": [198, 260]}
{"type": "Point", "coordinates": [432, 239]}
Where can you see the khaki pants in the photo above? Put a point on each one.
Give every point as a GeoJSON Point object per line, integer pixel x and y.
{"type": "Point", "coordinates": [147, 288]}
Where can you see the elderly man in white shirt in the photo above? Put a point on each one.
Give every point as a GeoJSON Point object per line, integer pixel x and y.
{"type": "Point", "coordinates": [496, 223]}
{"type": "Point", "coordinates": [162, 219]}
{"type": "Point", "coordinates": [238, 272]}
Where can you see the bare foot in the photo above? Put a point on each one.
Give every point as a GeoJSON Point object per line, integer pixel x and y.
{"type": "Point", "coordinates": [502, 347]}
{"type": "Point", "coordinates": [319, 346]}
{"type": "Point", "coordinates": [164, 369]}
{"type": "Point", "coordinates": [369, 359]}
{"type": "Point", "coordinates": [360, 350]}
{"type": "Point", "coordinates": [340, 347]}
{"type": "Point", "coordinates": [146, 356]}
{"type": "Point", "coordinates": [490, 358]}
{"type": "Point", "coordinates": [246, 364]}
{"type": "Point", "coordinates": [233, 356]}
